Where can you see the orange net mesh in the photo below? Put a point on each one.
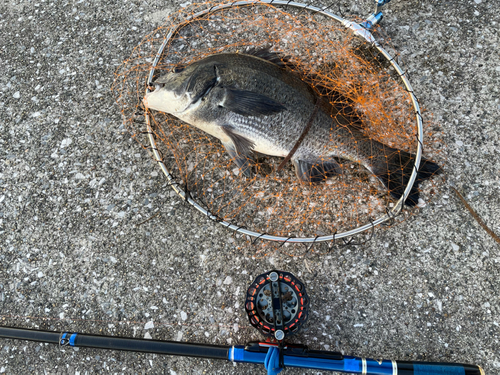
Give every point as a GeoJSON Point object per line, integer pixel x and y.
{"type": "Point", "coordinates": [323, 52]}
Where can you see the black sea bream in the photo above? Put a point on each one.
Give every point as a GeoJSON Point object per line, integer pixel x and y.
{"type": "Point", "coordinates": [254, 103]}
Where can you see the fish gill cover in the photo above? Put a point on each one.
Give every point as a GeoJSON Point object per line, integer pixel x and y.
{"type": "Point", "coordinates": [331, 59]}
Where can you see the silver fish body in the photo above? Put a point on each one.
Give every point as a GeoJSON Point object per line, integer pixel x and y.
{"type": "Point", "coordinates": [253, 103]}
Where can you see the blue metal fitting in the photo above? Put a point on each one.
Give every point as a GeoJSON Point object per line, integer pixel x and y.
{"type": "Point", "coordinates": [376, 16]}
{"type": "Point", "coordinates": [64, 340]}
{"type": "Point", "coordinates": [72, 339]}
{"type": "Point", "coordinates": [372, 20]}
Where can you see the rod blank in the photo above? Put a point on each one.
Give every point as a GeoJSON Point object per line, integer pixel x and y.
{"type": "Point", "coordinates": [118, 343]}
{"type": "Point", "coordinates": [256, 353]}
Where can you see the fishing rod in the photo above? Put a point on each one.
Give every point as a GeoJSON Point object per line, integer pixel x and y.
{"type": "Point", "coordinates": [277, 305]}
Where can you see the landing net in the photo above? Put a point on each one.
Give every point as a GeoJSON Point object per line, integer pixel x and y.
{"type": "Point", "coordinates": [328, 51]}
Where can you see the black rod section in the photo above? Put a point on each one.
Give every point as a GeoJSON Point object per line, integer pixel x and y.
{"type": "Point", "coordinates": [30, 334]}
{"type": "Point", "coordinates": [411, 368]}
{"type": "Point", "coordinates": [118, 343]}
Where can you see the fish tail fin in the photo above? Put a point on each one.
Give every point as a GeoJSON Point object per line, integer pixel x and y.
{"type": "Point", "coordinates": [395, 169]}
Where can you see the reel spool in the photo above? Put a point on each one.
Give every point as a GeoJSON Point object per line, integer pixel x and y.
{"type": "Point", "coordinates": [277, 304]}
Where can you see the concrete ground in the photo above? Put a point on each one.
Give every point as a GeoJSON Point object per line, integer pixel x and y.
{"type": "Point", "coordinates": [74, 190]}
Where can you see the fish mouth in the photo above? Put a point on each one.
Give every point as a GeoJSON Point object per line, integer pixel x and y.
{"type": "Point", "coordinates": [158, 85]}
{"type": "Point", "coordinates": [159, 98]}
{"type": "Point", "coordinates": [153, 86]}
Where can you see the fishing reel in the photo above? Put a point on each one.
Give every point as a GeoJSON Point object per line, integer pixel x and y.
{"type": "Point", "coordinates": [277, 304]}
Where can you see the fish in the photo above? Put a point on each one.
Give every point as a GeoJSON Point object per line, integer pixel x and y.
{"type": "Point", "coordinates": [253, 102]}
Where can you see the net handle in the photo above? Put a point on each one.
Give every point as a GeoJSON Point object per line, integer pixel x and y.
{"type": "Point", "coordinates": [359, 31]}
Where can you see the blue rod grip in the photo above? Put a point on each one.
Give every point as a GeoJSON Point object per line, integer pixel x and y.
{"type": "Point", "coordinates": [356, 365]}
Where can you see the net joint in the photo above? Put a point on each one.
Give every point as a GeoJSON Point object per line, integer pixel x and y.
{"type": "Point", "coordinates": [311, 246]}
{"type": "Point", "coordinates": [285, 241]}
{"type": "Point", "coordinates": [256, 238]}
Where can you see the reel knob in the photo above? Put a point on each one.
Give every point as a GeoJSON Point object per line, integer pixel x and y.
{"type": "Point", "coordinates": [277, 304]}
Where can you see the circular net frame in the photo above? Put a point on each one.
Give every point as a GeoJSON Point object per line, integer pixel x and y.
{"type": "Point", "coordinates": [325, 51]}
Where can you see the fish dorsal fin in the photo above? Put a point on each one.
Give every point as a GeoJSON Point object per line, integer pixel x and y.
{"type": "Point", "coordinates": [265, 53]}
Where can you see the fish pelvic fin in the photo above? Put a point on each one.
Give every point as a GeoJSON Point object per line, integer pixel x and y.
{"type": "Point", "coordinates": [240, 149]}
{"type": "Point", "coordinates": [395, 169]}
{"type": "Point", "coordinates": [316, 170]}
{"type": "Point", "coordinates": [249, 103]}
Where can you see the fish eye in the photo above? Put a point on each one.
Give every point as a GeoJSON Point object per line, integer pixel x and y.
{"type": "Point", "coordinates": [178, 68]}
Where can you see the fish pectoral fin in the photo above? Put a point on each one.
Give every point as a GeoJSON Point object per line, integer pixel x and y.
{"type": "Point", "coordinates": [249, 103]}
{"type": "Point", "coordinates": [240, 149]}
{"type": "Point", "coordinates": [316, 170]}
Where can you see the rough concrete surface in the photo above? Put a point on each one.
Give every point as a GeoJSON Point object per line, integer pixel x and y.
{"type": "Point", "coordinates": [74, 187]}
